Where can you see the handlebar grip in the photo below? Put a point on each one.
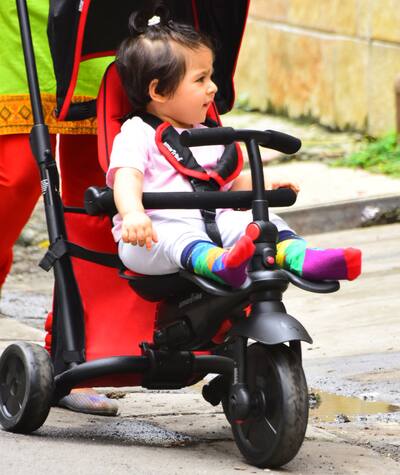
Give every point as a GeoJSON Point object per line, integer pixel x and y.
{"type": "Point", "coordinates": [282, 142]}
{"type": "Point", "coordinates": [212, 136]}
{"type": "Point", "coordinates": [281, 197]}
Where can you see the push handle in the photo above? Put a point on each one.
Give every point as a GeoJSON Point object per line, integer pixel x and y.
{"type": "Point", "coordinates": [284, 143]}
{"type": "Point", "coordinates": [207, 136]}
{"type": "Point", "coordinates": [225, 135]}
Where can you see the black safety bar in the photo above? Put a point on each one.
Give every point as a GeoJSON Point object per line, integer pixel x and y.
{"type": "Point", "coordinates": [99, 201]}
{"type": "Point", "coordinates": [225, 135]}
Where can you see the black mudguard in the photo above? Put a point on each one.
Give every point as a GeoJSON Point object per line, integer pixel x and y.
{"type": "Point", "coordinates": [271, 328]}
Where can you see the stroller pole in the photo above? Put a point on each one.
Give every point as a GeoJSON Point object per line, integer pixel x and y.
{"type": "Point", "coordinates": [69, 304]}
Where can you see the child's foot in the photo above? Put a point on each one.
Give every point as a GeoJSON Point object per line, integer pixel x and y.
{"type": "Point", "coordinates": [224, 266]}
{"type": "Point", "coordinates": [318, 264]}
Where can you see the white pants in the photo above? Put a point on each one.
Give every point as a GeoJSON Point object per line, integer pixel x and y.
{"type": "Point", "coordinates": [175, 233]}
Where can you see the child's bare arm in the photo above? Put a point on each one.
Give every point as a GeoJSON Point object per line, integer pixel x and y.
{"type": "Point", "coordinates": [136, 225]}
{"type": "Point", "coordinates": [243, 183]}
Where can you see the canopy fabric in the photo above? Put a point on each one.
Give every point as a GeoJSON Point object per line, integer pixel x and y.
{"type": "Point", "coordinates": [82, 29]}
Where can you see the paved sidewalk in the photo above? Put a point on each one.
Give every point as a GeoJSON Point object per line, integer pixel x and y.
{"type": "Point", "coordinates": [331, 198]}
{"type": "Point", "coordinates": [11, 330]}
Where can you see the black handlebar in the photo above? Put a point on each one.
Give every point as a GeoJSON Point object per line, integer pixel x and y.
{"type": "Point", "coordinates": [282, 142]}
{"type": "Point", "coordinates": [225, 135]}
{"type": "Point", "coordinates": [100, 201]}
{"type": "Point", "coordinates": [207, 136]}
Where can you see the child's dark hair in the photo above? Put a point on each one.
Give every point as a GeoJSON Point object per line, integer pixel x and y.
{"type": "Point", "coordinates": [148, 54]}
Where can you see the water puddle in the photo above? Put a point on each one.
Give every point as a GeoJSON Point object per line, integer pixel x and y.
{"type": "Point", "coordinates": [328, 407]}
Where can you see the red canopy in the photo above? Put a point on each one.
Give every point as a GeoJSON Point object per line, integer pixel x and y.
{"type": "Point", "coordinates": [83, 29]}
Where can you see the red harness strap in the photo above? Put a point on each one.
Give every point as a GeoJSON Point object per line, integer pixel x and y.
{"type": "Point", "coordinates": [228, 167]}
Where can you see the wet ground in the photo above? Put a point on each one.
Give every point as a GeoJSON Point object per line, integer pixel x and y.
{"type": "Point", "coordinates": [328, 407]}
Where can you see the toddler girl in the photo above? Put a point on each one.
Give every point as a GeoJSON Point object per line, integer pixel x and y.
{"type": "Point", "coordinates": [166, 69]}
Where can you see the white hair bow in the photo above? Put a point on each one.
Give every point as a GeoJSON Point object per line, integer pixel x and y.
{"type": "Point", "coordinates": [154, 20]}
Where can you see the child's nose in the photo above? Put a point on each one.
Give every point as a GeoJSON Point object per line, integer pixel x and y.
{"type": "Point", "coordinates": [212, 88]}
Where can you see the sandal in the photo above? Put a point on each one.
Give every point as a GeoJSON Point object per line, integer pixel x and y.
{"type": "Point", "coordinates": [88, 403]}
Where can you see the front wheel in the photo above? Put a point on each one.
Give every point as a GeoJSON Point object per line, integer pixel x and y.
{"type": "Point", "coordinates": [274, 431]}
{"type": "Point", "coordinates": [26, 387]}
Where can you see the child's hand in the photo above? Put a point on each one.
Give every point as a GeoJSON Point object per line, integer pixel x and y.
{"type": "Point", "coordinates": [285, 184]}
{"type": "Point", "coordinates": [137, 229]}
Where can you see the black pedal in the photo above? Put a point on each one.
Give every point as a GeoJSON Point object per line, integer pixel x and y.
{"type": "Point", "coordinates": [214, 391]}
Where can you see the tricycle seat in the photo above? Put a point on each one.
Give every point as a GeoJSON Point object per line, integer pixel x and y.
{"type": "Point", "coordinates": [160, 287]}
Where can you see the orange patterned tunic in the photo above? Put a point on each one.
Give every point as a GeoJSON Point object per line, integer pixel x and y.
{"type": "Point", "coordinates": [15, 108]}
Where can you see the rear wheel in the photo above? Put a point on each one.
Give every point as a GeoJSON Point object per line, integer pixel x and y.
{"type": "Point", "coordinates": [274, 431]}
{"type": "Point", "coordinates": [26, 387]}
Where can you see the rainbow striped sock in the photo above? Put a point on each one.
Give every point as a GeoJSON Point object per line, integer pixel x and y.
{"type": "Point", "coordinates": [315, 263]}
{"type": "Point", "coordinates": [222, 265]}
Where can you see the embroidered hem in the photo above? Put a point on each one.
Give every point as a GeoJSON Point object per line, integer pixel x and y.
{"type": "Point", "coordinates": [16, 116]}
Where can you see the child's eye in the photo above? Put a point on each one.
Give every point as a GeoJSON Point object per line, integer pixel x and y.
{"type": "Point", "coordinates": [200, 79]}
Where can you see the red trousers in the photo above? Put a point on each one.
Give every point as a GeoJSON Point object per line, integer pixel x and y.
{"type": "Point", "coordinates": [20, 183]}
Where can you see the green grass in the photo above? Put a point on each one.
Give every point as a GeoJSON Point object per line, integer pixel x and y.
{"type": "Point", "coordinates": [378, 156]}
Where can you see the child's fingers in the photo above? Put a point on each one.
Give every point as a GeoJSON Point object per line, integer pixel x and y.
{"type": "Point", "coordinates": [145, 237]}
{"type": "Point", "coordinates": [125, 235]}
{"type": "Point", "coordinates": [151, 237]}
{"type": "Point", "coordinates": [286, 184]}
{"type": "Point", "coordinates": [148, 242]}
{"type": "Point", "coordinates": [295, 186]}
{"type": "Point", "coordinates": [132, 236]}
{"type": "Point", "coordinates": [141, 237]}
{"type": "Point", "coordinates": [128, 235]}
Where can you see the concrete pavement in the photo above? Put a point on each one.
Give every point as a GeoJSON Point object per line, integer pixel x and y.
{"type": "Point", "coordinates": [331, 198]}
{"type": "Point", "coordinates": [356, 352]}
{"type": "Point", "coordinates": [12, 330]}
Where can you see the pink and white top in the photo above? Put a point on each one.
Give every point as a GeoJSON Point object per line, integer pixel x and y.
{"type": "Point", "coordinates": [135, 147]}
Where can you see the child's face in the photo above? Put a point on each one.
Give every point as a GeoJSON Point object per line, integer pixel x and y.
{"type": "Point", "coordinates": [188, 105]}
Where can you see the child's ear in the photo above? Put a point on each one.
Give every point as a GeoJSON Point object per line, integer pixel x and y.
{"type": "Point", "coordinates": [154, 95]}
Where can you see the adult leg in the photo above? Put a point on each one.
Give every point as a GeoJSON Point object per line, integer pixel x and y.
{"type": "Point", "coordinates": [79, 168]}
{"type": "Point", "coordinates": [19, 192]}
